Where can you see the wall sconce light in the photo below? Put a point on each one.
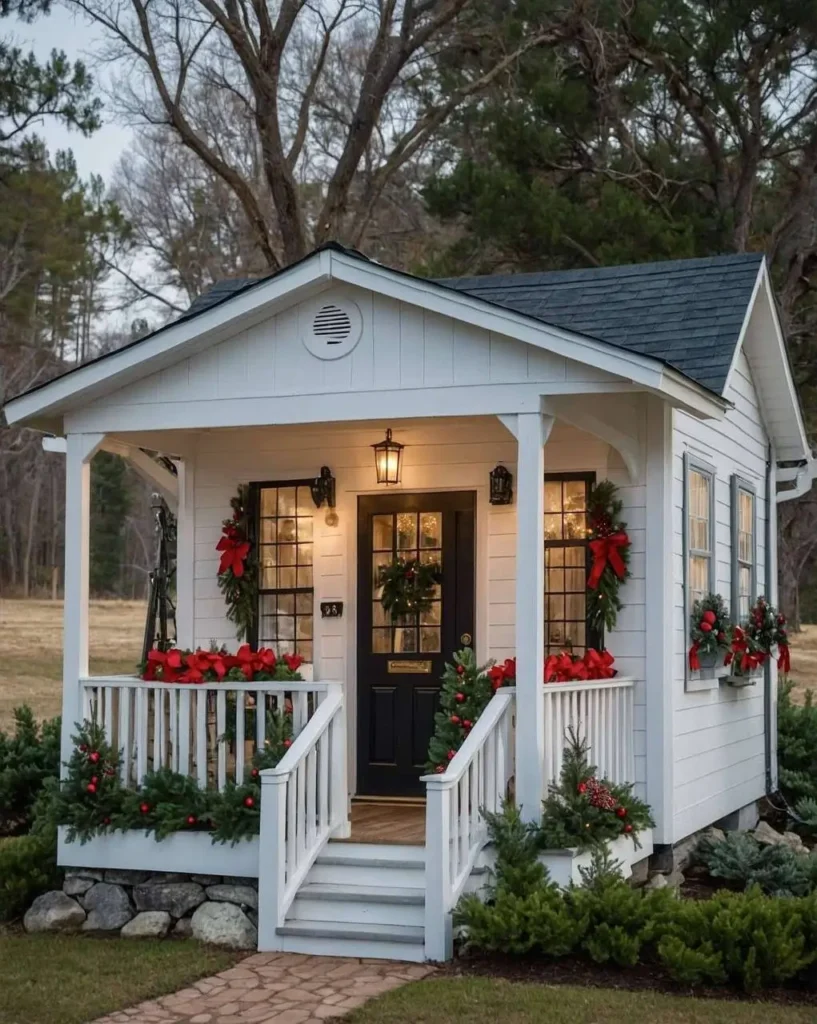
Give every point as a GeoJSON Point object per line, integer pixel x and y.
{"type": "Point", "coordinates": [388, 460]}
{"type": "Point", "coordinates": [323, 488]}
{"type": "Point", "coordinates": [501, 486]}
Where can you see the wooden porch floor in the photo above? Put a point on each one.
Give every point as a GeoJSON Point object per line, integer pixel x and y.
{"type": "Point", "coordinates": [382, 821]}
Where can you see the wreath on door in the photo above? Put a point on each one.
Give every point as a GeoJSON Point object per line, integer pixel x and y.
{"type": "Point", "coordinates": [408, 586]}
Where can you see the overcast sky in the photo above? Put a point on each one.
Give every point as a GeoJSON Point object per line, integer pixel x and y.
{"type": "Point", "coordinates": [62, 30]}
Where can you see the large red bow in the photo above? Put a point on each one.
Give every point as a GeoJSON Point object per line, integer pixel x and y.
{"type": "Point", "coordinates": [784, 658]}
{"type": "Point", "coordinates": [234, 549]}
{"type": "Point", "coordinates": [608, 550]}
{"type": "Point", "coordinates": [566, 668]}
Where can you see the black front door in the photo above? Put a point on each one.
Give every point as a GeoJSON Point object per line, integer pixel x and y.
{"type": "Point", "coordinates": [399, 664]}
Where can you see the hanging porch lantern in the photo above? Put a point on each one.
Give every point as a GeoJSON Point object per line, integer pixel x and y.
{"type": "Point", "coordinates": [501, 486]}
{"type": "Point", "coordinates": [388, 460]}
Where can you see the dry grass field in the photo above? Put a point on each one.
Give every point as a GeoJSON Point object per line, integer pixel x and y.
{"type": "Point", "coordinates": [31, 650]}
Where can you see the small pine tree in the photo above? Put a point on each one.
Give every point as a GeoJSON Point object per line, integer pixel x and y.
{"type": "Point", "coordinates": [741, 859]}
{"type": "Point", "coordinates": [582, 811]}
{"type": "Point", "coordinates": [465, 694]}
{"type": "Point", "coordinates": [28, 756]}
{"type": "Point", "coordinates": [91, 795]}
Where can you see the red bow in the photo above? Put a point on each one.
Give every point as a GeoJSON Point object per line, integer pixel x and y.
{"type": "Point", "coordinates": [607, 550]}
{"type": "Point", "coordinates": [694, 662]}
{"type": "Point", "coordinates": [293, 661]}
{"type": "Point", "coordinates": [784, 659]}
{"type": "Point", "coordinates": [234, 549]}
{"type": "Point", "coordinates": [566, 668]}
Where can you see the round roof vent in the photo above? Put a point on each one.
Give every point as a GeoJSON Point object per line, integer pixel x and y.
{"type": "Point", "coordinates": [332, 329]}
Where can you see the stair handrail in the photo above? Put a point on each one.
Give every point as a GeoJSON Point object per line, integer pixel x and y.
{"type": "Point", "coordinates": [304, 801]}
{"type": "Point", "coordinates": [476, 779]}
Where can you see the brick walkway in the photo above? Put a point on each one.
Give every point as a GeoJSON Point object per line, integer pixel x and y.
{"type": "Point", "coordinates": [275, 988]}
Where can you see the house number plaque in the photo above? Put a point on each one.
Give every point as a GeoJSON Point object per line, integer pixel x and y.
{"type": "Point", "coordinates": [409, 667]}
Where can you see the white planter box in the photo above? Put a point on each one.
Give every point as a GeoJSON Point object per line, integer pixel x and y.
{"type": "Point", "coordinates": [192, 853]}
{"type": "Point", "coordinates": [563, 865]}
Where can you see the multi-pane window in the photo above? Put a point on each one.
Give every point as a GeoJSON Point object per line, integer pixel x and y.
{"type": "Point", "coordinates": [285, 558]}
{"type": "Point", "coordinates": [566, 554]}
{"type": "Point", "coordinates": [743, 549]}
{"type": "Point", "coordinates": [409, 536]}
{"type": "Point", "coordinates": [700, 485]}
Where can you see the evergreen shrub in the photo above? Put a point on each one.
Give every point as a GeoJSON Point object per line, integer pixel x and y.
{"type": "Point", "coordinates": [28, 756]}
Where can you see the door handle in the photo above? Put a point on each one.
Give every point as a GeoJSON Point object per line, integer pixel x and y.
{"type": "Point", "coordinates": [465, 639]}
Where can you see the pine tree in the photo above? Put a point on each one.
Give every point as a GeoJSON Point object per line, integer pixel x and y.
{"type": "Point", "coordinates": [465, 694]}
{"type": "Point", "coordinates": [110, 504]}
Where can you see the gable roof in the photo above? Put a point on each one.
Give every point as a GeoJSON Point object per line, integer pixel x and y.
{"type": "Point", "coordinates": [685, 313]}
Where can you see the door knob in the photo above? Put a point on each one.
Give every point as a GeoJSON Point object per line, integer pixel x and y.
{"type": "Point", "coordinates": [465, 639]}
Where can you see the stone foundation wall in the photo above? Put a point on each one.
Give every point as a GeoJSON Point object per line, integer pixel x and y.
{"type": "Point", "coordinates": [142, 904]}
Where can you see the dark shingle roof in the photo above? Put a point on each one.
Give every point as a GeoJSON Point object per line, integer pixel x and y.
{"type": "Point", "coordinates": [687, 313]}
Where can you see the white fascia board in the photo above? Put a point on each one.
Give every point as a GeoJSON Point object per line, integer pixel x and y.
{"type": "Point", "coordinates": [747, 316]}
{"type": "Point", "coordinates": [650, 373]}
{"type": "Point", "coordinates": [165, 348]}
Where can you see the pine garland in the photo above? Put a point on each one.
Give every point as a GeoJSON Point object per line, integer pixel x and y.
{"type": "Point", "coordinates": [467, 689]}
{"type": "Point", "coordinates": [238, 568]}
{"type": "Point", "coordinates": [610, 548]}
{"type": "Point", "coordinates": [408, 586]}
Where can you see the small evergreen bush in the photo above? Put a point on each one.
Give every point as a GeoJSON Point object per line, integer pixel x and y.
{"type": "Point", "coordinates": [741, 859]}
{"type": "Point", "coordinates": [797, 746]}
{"type": "Point", "coordinates": [28, 867]}
{"type": "Point", "coordinates": [28, 756]}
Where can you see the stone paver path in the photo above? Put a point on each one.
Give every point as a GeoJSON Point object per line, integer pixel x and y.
{"type": "Point", "coordinates": [275, 988]}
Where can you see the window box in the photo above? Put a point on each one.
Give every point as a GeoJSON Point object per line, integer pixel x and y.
{"type": "Point", "coordinates": [741, 679]}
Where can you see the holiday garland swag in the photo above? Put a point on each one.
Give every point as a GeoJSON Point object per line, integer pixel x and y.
{"type": "Point", "coordinates": [610, 550]}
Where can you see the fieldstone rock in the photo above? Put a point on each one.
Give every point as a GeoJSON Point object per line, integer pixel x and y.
{"type": "Point", "coordinates": [768, 836]}
{"type": "Point", "coordinates": [673, 880]}
{"type": "Point", "coordinates": [715, 835]}
{"type": "Point", "coordinates": [794, 842]}
{"type": "Point", "coordinates": [206, 879]}
{"type": "Point", "coordinates": [177, 898]}
{"type": "Point", "coordinates": [150, 924]}
{"type": "Point", "coordinates": [108, 908]}
{"type": "Point", "coordinates": [243, 895]}
{"type": "Point", "coordinates": [184, 928]}
{"type": "Point", "coordinates": [640, 872]}
{"type": "Point", "coordinates": [54, 912]}
{"type": "Point", "coordinates": [77, 886]}
{"type": "Point", "coordinates": [162, 877]}
{"type": "Point", "coordinates": [240, 880]}
{"type": "Point", "coordinates": [658, 881]}
{"type": "Point", "coordinates": [224, 924]}
{"type": "Point", "coordinates": [118, 877]}
{"type": "Point", "coordinates": [92, 873]}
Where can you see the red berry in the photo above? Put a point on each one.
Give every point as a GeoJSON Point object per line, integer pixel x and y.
{"type": "Point", "coordinates": [621, 812]}
{"type": "Point", "coordinates": [467, 724]}
{"type": "Point", "coordinates": [439, 769]}
{"type": "Point", "coordinates": [94, 779]}
{"type": "Point", "coordinates": [191, 819]}
{"type": "Point", "coordinates": [582, 787]}
{"type": "Point", "coordinates": [459, 697]}
{"type": "Point", "coordinates": [83, 748]}
{"type": "Point", "coordinates": [144, 808]}
{"type": "Point", "coordinates": [287, 743]}
{"type": "Point", "coordinates": [710, 617]}
{"type": "Point", "coordinates": [460, 670]}
{"type": "Point", "coordinates": [455, 719]}
{"type": "Point", "coordinates": [451, 754]}
{"type": "Point", "coordinates": [91, 787]}
{"type": "Point", "coordinates": [93, 757]}
{"type": "Point", "coordinates": [254, 773]}
{"type": "Point", "coordinates": [106, 821]}
{"type": "Point", "coordinates": [628, 828]}
{"type": "Point", "coordinates": [706, 627]}
{"type": "Point", "coordinates": [249, 802]}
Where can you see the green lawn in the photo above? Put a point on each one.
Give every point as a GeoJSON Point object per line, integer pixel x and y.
{"type": "Point", "coordinates": [483, 1000]}
{"type": "Point", "coordinates": [53, 979]}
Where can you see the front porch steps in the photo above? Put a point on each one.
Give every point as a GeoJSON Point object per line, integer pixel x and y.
{"type": "Point", "coordinates": [360, 900]}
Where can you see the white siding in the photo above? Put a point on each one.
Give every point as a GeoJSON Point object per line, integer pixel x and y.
{"type": "Point", "coordinates": [455, 455]}
{"type": "Point", "coordinates": [718, 733]}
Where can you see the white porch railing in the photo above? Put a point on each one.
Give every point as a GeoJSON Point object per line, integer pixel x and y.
{"type": "Point", "coordinates": [476, 779]}
{"type": "Point", "coordinates": [209, 731]}
{"type": "Point", "coordinates": [599, 711]}
{"type": "Point", "coordinates": [304, 801]}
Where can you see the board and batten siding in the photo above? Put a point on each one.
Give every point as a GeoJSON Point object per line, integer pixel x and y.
{"type": "Point", "coordinates": [457, 454]}
{"type": "Point", "coordinates": [718, 735]}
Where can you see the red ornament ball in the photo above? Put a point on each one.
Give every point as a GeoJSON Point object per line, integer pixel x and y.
{"type": "Point", "coordinates": [83, 748]}
{"type": "Point", "coordinates": [459, 697]}
{"type": "Point", "coordinates": [94, 779]}
{"type": "Point", "coordinates": [455, 719]}
{"type": "Point", "coordinates": [582, 787]}
{"type": "Point", "coordinates": [191, 819]}
{"type": "Point", "coordinates": [93, 757]}
{"type": "Point", "coordinates": [451, 754]}
{"type": "Point", "coordinates": [287, 743]}
{"type": "Point", "coordinates": [467, 724]}
{"type": "Point", "coordinates": [628, 828]}
{"type": "Point", "coordinates": [460, 670]}
{"type": "Point", "coordinates": [91, 787]}
{"type": "Point", "coordinates": [254, 773]}
{"type": "Point", "coordinates": [106, 821]}
{"type": "Point", "coordinates": [249, 802]}
{"type": "Point", "coordinates": [706, 627]}
{"type": "Point", "coordinates": [721, 636]}
{"type": "Point", "coordinates": [621, 812]}
{"type": "Point", "coordinates": [710, 617]}
{"type": "Point", "coordinates": [144, 808]}
{"type": "Point", "coordinates": [439, 769]}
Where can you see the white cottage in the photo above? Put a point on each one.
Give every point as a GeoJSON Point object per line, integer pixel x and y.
{"type": "Point", "coordinates": [669, 379]}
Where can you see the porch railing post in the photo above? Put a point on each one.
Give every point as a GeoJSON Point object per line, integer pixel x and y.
{"type": "Point", "coordinates": [271, 861]}
{"type": "Point", "coordinates": [532, 431]}
{"type": "Point", "coordinates": [439, 943]}
{"type": "Point", "coordinates": [80, 449]}
{"type": "Point", "coordinates": [339, 757]}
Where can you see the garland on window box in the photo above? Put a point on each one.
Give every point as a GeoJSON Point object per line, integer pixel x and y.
{"type": "Point", "coordinates": [92, 801]}
{"type": "Point", "coordinates": [408, 586]}
{"type": "Point", "coordinates": [238, 567]}
{"type": "Point", "coordinates": [217, 665]}
{"type": "Point", "coordinates": [710, 631]}
{"type": "Point", "coordinates": [767, 628]}
{"type": "Point", "coordinates": [610, 549]}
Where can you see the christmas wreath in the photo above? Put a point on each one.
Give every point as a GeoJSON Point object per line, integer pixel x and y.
{"type": "Point", "coordinates": [238, 568]}
{"type": "Point", "coordinates": [710, 631]}
{"type": "Point", "coordinates": [408, 586]}
{"type": "Point", "coordinates": [610, 549]}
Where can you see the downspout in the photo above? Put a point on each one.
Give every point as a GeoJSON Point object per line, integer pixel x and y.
{"type": "Point", "coordinates": [768, 589]}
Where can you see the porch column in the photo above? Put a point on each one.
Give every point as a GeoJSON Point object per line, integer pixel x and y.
{"type": "Point", "coordinates": [80, 449]}
{"type": "Point", "coordinates": [532, 431]}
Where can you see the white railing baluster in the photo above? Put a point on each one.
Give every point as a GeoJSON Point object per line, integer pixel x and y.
{"type": "Point", "coordinates": [109, 716]}
{"type": "Point", "coordinates": [183, 735]}
{"type": "Point", "coordinates": [201, 738]}
{"type": "Point", "coordinates": [173, 714]}
{"type": "Point", "coordinates": [260, 719]}
{"type": "Point", "coordinates": [124, 734]}
{"type": "Point", "coordinates": [141, 699]}
{"type": "Point", "coordinates": [239, 737]}
{"type": "Point", "coordinates": [158, 700]}
{"type": "Point", "coordinates": [221, 740]}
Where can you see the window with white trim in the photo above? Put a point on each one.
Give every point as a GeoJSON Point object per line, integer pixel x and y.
{"type": "Point", "coordinates": [744, 557]}
{"type": "Point", "coordinates": [700, 505]}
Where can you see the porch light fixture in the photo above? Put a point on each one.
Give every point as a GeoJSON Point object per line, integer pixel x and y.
{"type": "Point", "coordinates": [501, 486]}
{"type": "Point", "coordinates": [323, 488]}
{"type": "Point", "coordinates": [388, 460]}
